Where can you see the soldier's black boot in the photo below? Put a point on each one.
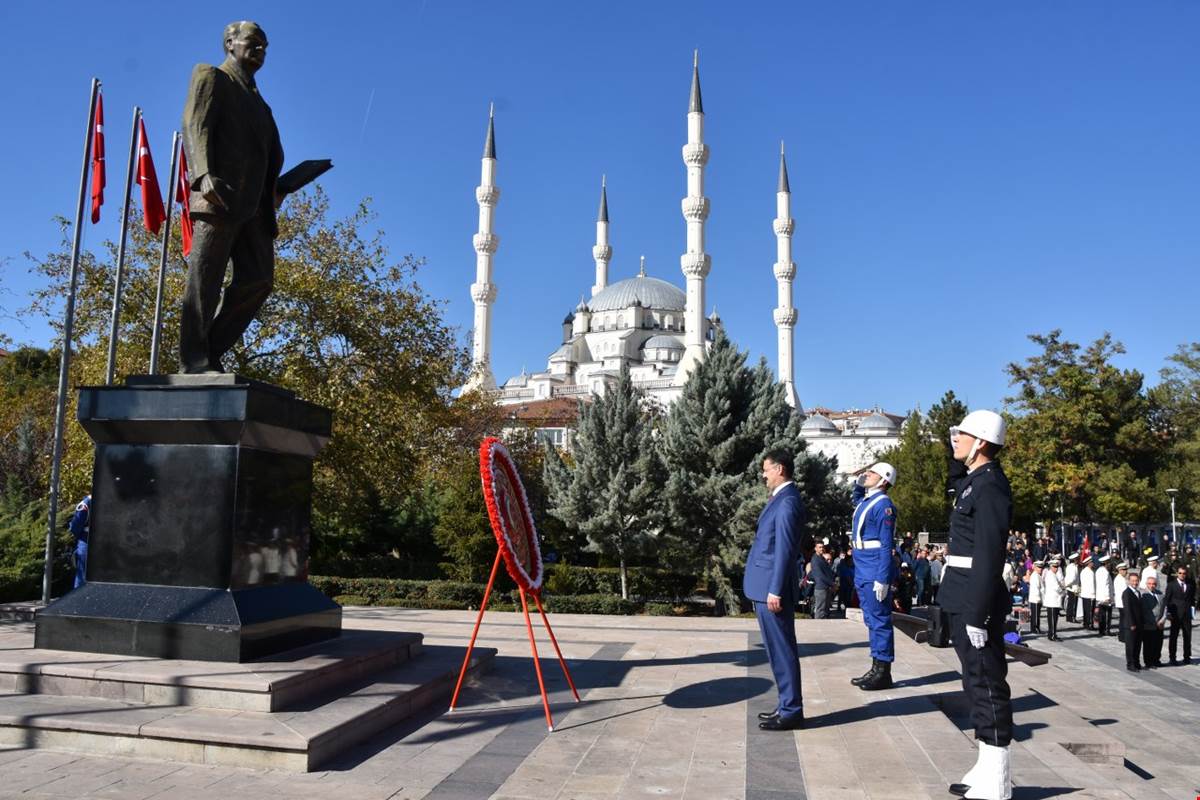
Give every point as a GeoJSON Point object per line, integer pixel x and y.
{"type": "Point", "coordinates": [868, 674]}
{"type": "Point", "coordinates": [882, 679]}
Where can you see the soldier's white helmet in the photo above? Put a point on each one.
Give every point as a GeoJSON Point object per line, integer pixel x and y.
{"type": "Point", "coordinates": [885, 471]}
{"type": "Point", "coordinates": [984, 424]}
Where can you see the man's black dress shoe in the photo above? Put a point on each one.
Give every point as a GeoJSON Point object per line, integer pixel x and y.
{"type": "Point", "coordinates": [959, 789]}
{"type": "Point", "coordinates": [1133, 669]}
{"type": "Point", "coordinates": [778, 723]}
{"type": "Point", "coordinates": [765, 715]}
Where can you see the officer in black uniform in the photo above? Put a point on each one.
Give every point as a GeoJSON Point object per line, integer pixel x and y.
{"type": "Point", "coordinates": [977, 602]}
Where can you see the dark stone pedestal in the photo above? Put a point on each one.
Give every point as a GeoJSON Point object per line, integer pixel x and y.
{"type": "Point", "coordinates": [201, 506]}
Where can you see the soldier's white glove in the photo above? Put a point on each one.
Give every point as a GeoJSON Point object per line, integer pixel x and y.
{"type": "Point", "coordinates": [881, 590]}
{"type": "Point", "coordinates": [978, 636]}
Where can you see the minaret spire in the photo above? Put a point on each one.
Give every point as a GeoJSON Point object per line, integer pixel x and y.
{"type": "Point", "coordinates": [785, 272]}
{"type": "Point", "coordinates": [695, 262]}
{"type": "Point", "coordinates": [602, 252]}
{"type": "Point", "coordinates": [483, 291]}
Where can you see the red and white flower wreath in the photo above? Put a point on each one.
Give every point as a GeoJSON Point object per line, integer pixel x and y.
{"type": "Point", "coordinates": [494, 459]}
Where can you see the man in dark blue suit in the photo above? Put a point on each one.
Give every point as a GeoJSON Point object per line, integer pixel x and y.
{"type": "Point", "coordinates": [772, 581]}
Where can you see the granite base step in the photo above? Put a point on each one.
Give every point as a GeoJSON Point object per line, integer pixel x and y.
{"type": "Point", "coordinates": [298, 740]}
{"type": "Point", "coordinates": [273, 683]}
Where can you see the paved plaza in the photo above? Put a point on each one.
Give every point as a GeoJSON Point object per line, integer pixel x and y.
{"type": "Point", "coordinates": [669, 711]}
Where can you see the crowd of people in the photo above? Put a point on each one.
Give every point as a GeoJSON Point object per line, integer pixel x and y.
{"type": "Point", "coordinates": [1087, 587]}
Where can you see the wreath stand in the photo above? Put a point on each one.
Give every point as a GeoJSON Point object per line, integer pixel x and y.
{"type": "Point", "coordinates": [537, 599]}
{"type": "Point", "coordinates": [495, 463]}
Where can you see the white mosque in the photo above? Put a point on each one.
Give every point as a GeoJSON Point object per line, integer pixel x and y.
{"type": "Point", "coordinates": [657, 329]}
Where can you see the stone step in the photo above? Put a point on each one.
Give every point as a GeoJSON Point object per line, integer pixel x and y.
{"type": "Point", "coordinates": [273, 683]}
{"type": "Point", "coordinates": [297, 740]}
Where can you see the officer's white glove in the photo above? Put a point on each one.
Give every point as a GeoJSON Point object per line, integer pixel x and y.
{"type": "Point", "coordinates": [978, 636]}
{"type": "Point", "coordinates": [881, 590]}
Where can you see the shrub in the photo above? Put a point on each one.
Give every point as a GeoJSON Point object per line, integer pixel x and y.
{"type": "Point", "coordinates": [586, 604]}
{"type": "Point", "coordinates": [352, 600]}
{"type": "Point", "coordinates": [644, 582]}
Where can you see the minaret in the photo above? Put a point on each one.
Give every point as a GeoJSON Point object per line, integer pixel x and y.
{"type": "Point", "coordinates": [785, 272]}
{"type": "Point", "coordinates": [602, 252]}
{"type": "Point", "coordinates": [695, 263]}
{"type": "Point", "coordinates": [483, 291]}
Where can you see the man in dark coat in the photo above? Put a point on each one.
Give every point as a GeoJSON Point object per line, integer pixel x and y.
{"type": "Point", "coordinates": [977, 601]}
{"type": "Point", "coordinates": [1180, 598]}
{"type": "Point", "coordinates": [1133, 620]}
{"type": "Point", "coordinates": [234, 158]}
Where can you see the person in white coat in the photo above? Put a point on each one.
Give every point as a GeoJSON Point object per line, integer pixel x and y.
{"type": "Point", "coordinates": [1071, 579]}
{"type": "Point", "coordinates": [1119, 585]}
{"type": "Point", "coordinates": [1087, 590]}
{"type": "Point", "coordinates": [1151, 570]}
{"type": "Point", "coordinates": [1104, 596]}
{"type": "Point", "coordinates": [1053, 589]}
{"type": "Point", "coordinates": [1035, 581]}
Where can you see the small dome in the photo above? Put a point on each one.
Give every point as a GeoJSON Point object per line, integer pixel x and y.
{"type": "Point", "coordinates": [562, 354]}
{"type": "Point", "coordinates": [569, 318]}
{"type": "Point", "coordinates": [819, 425]}
{"type": "Point", "coordinates": [663, 342]}
{"type": "Point", "coordinates": [650, 292]}
{"type": "Point", "coordinates": [878, 423]}
{"type": "Point", "coordinates": [579, 309]}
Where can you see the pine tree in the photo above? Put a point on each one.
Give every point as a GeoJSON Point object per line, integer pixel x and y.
{"type": "Point", "coordinates": [612, 496]}
{"type": "Point", "coordinates": [920, 490]}
{"type": "Point", "coordinates": [713, 443]}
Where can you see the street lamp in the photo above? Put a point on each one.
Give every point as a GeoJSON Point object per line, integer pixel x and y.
{"type": "Point", "coordinates": [1174, 535]}
{"type": "Point", "coordinates": [1062, 527]}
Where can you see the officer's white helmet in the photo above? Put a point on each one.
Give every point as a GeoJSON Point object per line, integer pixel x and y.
{"type": "Point", "coordinates": [984, 424]}
{"type": "Point", "coordinates": [885, 471]}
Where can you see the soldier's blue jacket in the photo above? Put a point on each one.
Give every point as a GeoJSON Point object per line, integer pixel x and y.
{"type": "Point", "coordinates": [874, 521]}
{"type": "Point", "coordinates": [81, 521]}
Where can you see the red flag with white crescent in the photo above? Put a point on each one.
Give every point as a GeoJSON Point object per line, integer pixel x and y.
{"type": "Point", "coordinates": [98, 159]}
{"type": "Point", "coordinates": [182, 190]}
{"type": "Point", "coordinates": [152, 203]}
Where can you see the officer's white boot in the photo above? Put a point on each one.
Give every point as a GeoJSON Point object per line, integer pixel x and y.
{"type": "Point", "coordinates": [992, 779]}
{"type": "Point", "coordinates": [973, 776]}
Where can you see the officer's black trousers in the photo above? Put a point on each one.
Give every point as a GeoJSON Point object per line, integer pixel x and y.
{"type": "Point", "coordinates": [1052, 622]}
{"type": "Point", "coordinates": [1120, 625]}
{"type": "Point", "coordinates": [1035, 617]}
{"type": "Point", "coordinates": [1104, 615]}
{"type": "Point", "coordinates": [1185, 627]}
{"type": "Point", "coordinates": [1089, 607]}
{"type": "Point", "coordinates": [984, 674]}
{"type": "Point", "coordinates": [1072, 605]}
{"type": "Point", "coordinates": [1152, 641]}
{"type": "Point", "coordinates": [1133, 644]}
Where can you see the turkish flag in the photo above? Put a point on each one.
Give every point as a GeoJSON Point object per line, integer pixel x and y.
{"type": "Point", "coordinates": [182, 190]}
{"type": "Point", "coordinates": [98, 160]}
{"type": "Point", "coordinates": [152, 202]}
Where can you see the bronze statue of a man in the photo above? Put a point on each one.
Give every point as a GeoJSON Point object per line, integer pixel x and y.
{"type": "Point", "coordinates": [234, 157]}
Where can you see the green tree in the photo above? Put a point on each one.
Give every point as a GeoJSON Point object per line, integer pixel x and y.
{"type": "Point", "coordinates": [345, 327]}
{"type": "Point", "coordinates": [613, 494]}
{"type": "Point", "coordinates": [1081, 431]}
{"type": "Point", "coordinates": [920, 461]}
{"type": "Point", "coordinates": [1176, 420]}
{"type": "Point", "coordinates": [28, 384]}
{"type": "Point", "coordinates": [713, 443]}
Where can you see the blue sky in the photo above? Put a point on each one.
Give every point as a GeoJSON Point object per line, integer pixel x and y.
{"type": "Point", "coordinates": [963, 174]}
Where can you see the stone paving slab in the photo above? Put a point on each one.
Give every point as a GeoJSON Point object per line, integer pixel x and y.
{"type": "Point", "coordinates": [667, 711]}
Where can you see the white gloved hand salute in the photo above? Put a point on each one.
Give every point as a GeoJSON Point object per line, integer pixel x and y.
{"type": "Point", "coordinates": [881, 590]}
{"type": "Point", "coordinates": [978, 636]}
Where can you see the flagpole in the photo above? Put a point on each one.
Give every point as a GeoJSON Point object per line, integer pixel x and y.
{"type": "Point", "coordinates": [64, 367]}
{"type": "Point", "coordinates": [116, 307]}
{"type": "Point", "coordinates": [156, 341]}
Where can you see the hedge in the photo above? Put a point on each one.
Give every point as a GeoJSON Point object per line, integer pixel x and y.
{"type": "Point", "coordinates": [457, 594]}
{"type": "Point", "coordinates": [583, 604]}
{"type": "Point", "coordinates": [20, 583]}
{"type": "Point", "coordinates": [644, 582]}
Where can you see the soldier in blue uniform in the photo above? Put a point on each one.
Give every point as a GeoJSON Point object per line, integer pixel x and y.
{"type": "Point", "coordinates": [873, 529]}
{"type": "Point", "coordinates": [80, 526]}
{"type": "Point", "coordinates": [976, 600]}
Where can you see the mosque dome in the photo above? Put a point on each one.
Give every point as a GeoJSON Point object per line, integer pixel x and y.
{"type": "Point", "coordinates": [819, 425]}
{"type": "Point", "coordinates": [878, 425]}
{"type": "Point", "coordinates": [650, 292]}
{"type": "Point", "coordinates": [663, 342]}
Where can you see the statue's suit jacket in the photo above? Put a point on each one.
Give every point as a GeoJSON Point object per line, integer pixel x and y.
{"type": "Point", "coordinates": [771, 564]}
{"type": "Point", "coordinates": [230, 134]}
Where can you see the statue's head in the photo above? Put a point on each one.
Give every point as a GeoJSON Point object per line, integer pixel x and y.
{"type": "Point", "coordinates": [246, 43]}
